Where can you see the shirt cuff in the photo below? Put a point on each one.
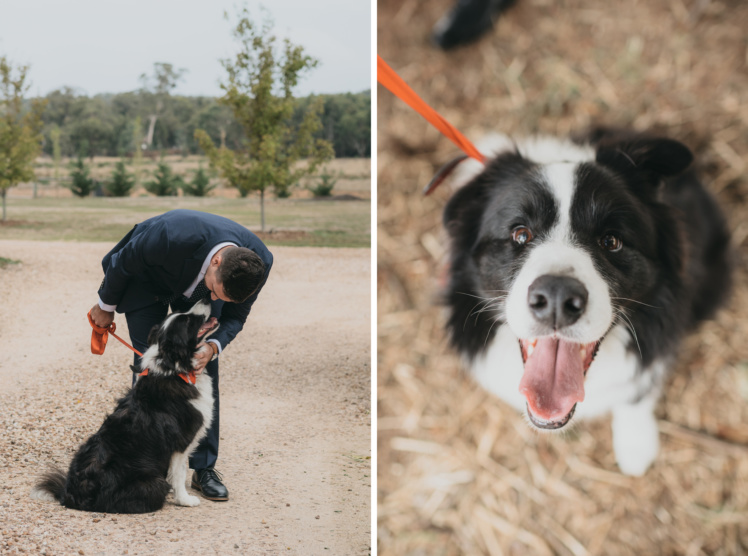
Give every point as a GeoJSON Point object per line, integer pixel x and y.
{"type": "Point", "coordinates": [218, 345]}
{"type": "Point", "coordinates": [105, 307]}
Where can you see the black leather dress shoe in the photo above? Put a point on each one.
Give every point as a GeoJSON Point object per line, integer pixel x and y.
{"type": "Point", "coordinates": [467, 21]}
{"type": "Point", "coordinates": [208, 482]}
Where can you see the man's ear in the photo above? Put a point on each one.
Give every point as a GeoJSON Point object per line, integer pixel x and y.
{"type": "Point", "coordinates": [663, 157]}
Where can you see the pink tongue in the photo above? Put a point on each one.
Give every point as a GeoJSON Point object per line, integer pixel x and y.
{"type": "Point", "coordinates": [554, 379]}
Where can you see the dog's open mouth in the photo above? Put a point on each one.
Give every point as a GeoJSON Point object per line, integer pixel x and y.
{"type": "Point", "coordinates": [209, 326]}
{"type": "Point", "coordinates": [553, 381]}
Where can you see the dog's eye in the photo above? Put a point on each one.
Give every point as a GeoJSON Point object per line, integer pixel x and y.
{"type": "Point", "coordinates": [521, 235]}
{"type": "Point", "coordinates": [611, 243]}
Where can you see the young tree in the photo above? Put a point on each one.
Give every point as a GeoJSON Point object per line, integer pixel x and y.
{"type": "Point", "coordinates": [160, 84]}
{"type": "Point", "coordinates": [164, 183]}
{"type": "Point", "coordinates": [327, 181]}
{"type": "Point", "coordinates": [121, 182]}
{"type": "Point", "coordinates": [137, 159]}
{"type": "Point", "coordinates": [20, 131]}
{"type": "Point", "coordinates": [283, 192]}
{"type": "Point", "coordinates": [54, 135]}
{"type": "Point", "coordinates": [200, 184]}
{"type": "Point", "coordinates": [259, 90]}
{"type": "Point", "coordinates": [81, 183]}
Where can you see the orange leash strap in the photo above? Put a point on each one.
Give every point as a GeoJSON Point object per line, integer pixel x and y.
{"type": "Point", "coordinates": [394, 83]}
{"type": "Point", "coordinates": [99, 338]}
{"type": "Point", "coordinates": [100, 335]}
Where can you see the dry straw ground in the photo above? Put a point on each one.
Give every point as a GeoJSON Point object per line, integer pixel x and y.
{"type": "Point", "coordinates": [460, 473]}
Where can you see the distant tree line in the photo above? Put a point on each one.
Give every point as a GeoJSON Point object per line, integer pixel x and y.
{"type": "Point", "coordinates": [112, 124]}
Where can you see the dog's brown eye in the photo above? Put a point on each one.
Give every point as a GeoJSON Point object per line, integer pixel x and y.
{"type": "Point", "coordinates": [611, 243]}
{"type": "Point", "coordinates": [521, 235]}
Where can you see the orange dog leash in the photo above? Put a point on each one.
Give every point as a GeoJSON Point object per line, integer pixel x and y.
{"type": "Point", "coordinates": [395, 84]}
{"type": "Point", "coordinates": [100, 335]}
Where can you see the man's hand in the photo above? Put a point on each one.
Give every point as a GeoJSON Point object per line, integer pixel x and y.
{"type": "Point", "coordinates": [202, 357]}
{"type": "Point", "coordinates": [101, 317]}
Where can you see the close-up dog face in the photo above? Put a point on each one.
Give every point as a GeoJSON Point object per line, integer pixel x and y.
{"type": "Point", "coordinates": [172, 344]}
{"type": "Point", "coordinates": [563, 308]}
{"type": "Point", "coordinates": [560, 251]}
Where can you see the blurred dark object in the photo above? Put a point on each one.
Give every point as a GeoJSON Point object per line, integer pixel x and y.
{"type": "Point", "coordinates": [467, 21]}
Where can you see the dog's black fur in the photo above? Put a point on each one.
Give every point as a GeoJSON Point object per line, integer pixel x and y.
{"type": "Point", "coordinates": [123, 467]}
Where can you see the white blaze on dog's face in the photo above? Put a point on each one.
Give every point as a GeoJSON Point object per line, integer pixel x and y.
{"type": "Point", "coordinates": [172, 344]}
{"type": "Point", "coordinates": [558, 254]}
{"type": "Point", "coordinates": [559, 306]}
{"type": "Point", "coordinates": [549, 238]}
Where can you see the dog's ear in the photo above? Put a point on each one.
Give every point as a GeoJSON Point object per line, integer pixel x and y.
{"type": "Point", "coordinates": [659, 156]}
{"type": "Point", "coordinates": [462, 214]}
{"type": "Point", "coordinates": [153, 334]}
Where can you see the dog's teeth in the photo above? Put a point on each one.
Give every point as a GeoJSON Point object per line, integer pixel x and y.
{"type": "Point", "coordinates": [530, 349]}
{"type": "Point", "coordinates": [583, 351]}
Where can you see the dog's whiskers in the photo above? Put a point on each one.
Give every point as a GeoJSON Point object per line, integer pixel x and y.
{"type": "Point", "coordinates": [484, 298]}
{"type": "Point", "coordinates": [486, 304]}
{"type": "Point", "coordinates": [635, 301]}
{"type": "Point", "coordinates": [488, 335]}
{"type": "Point", "coordinates": [489, 307]}
{"type": "Point", "coordinates": [621, 312]}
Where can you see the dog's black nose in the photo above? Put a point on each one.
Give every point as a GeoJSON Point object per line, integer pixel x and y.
{"type": "Point", "coordinates": [557, 301]}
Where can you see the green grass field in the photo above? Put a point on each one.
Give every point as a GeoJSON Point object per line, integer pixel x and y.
{"type": "Point", "coordinates": [293, 222]}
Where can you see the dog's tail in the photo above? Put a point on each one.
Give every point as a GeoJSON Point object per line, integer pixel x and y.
{"type": "Point", "coordinates": [51, 488]}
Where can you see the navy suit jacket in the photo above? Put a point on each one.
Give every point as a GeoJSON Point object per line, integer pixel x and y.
{"type": "Point", "coordinates": [163, 255]}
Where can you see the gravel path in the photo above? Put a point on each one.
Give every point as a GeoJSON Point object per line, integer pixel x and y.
{"type": "Point", "coordinates": [295, 411]}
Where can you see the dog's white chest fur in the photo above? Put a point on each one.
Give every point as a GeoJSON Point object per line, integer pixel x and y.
{"type": "Point", "coordinates": [204, 404]}
{"type": "Point", "coordinates": [178, 467]}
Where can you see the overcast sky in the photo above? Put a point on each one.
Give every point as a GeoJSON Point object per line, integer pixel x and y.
{"type": "Point", "coordinates": [103, 46]}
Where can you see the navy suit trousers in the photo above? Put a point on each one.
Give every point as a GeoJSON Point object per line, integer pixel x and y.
{"type": "Point", "coordinates": [139, 323]}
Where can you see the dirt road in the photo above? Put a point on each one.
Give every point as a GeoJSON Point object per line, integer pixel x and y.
{"type": "Point", "coordinates": [295, 410]}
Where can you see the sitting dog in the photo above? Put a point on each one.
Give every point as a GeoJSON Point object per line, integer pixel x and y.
{"type": "Point", "coordinates": [575, 270]}
{"type": "Point", "coordinates": [143, 446]}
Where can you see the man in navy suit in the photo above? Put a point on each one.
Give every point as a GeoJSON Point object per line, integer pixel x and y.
{"type": "Point", "coordinates": [177, 259]}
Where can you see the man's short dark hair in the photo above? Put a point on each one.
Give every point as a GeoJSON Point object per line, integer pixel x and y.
{"type": "Point", "coordinates": [240, 273]}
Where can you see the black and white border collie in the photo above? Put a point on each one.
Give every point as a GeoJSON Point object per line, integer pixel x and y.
{"type": "Point", "coordinates": [142, 448]}
{"type": "Point", "coordinates": [575, 270]}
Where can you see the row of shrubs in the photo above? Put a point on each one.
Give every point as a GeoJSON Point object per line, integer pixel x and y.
{"type": "Point", "coordinates": [121, 182]}
{"type": "Point", "coordinates": [164, 182]}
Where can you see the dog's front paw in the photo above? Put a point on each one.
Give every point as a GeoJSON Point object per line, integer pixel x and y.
{"type": "Point", "coordinates": [187, 500]}
{"type": "Point", "coordinates": [636, 440]}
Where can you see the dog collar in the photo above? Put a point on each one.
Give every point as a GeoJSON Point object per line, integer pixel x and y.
{"type": "Point", "coordinates": [189, 378]}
